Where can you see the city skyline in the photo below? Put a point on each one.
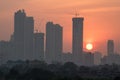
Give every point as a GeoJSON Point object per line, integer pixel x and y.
{"type": "Point", "coordinates": [23, 35]}
{"type": "Point", "coordinates": [25, 44]}
{"type": "Point", "coordinates": [60, 40]}
{"type": "Point", "coordinates": [100, 19]}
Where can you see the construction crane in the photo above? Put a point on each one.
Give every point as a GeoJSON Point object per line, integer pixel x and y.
{"type": "Point", "coordinates": [37, 30]}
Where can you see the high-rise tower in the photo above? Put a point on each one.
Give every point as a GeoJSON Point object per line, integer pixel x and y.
{"type": "Point", "coordinates": [23, 35]}
{"type": "Point", "coordinates": [53, 42]}
{"type": "Point", "coordinates": [77, 47]}
{"type": "Point", "coordinates": [28, 38]}
{"type": "Point", "coordinates": [110, 47]}
{"type": "Point", "coordinates": [77, 41]}
{"type": "Point", "coordinates": [19, 19]}
{"type": "Point", "coordinates": [39, 46]}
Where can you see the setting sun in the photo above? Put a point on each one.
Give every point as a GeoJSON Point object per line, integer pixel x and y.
{"type": "Point", "coordinates": [89, 46]}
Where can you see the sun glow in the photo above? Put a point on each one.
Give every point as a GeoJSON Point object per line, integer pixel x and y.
{"type": "Point", "coordinates": [89, 46]}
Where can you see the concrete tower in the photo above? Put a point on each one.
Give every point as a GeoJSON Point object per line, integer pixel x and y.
{"type": "Point", "coordinates": [23, 36]}
{"type": "Point", "coordinates": [53, 42]}
{"type": "Point", "coordinates": [28, 38]}
{"type": "Point", "coordinates": [77, 41]}
{"type": "Point", "coordinates": [110, 47]}
{"type": "Point", "coordinates": [39, 46]}
{"type": "Point", "coordinates": [19, 19]}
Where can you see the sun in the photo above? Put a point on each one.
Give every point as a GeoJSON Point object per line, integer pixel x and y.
{"type": "Point", "coordinates": [89, 46]}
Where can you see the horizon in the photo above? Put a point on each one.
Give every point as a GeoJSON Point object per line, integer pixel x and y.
{"type": "Point", "coordinates": [97, 15]}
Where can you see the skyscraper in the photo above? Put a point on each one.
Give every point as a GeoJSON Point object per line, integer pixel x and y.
{"type": "Point", "coordinates": [53, 42]}
{"type": "Point", "coordinates": [110, 47]}
{"type": "Point", "coordinates": [28, 38]}
{"type": "Point", "coordinates": [23, 35]}
{"type": "Point", "coordinates": [77, 41]}
{"type": "Point", "coordinates": [19, 19]}
{"type": "Point", "coordinates": [77, 35]}
{"type": "Point", "coordinates": [39, 46]}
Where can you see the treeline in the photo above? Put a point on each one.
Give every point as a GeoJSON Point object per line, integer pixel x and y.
{"type": "Point", "coordinates": [67, 71]}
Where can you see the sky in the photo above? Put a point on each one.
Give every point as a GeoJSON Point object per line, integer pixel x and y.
{"type": "Point", "coordinates": [101, 19]}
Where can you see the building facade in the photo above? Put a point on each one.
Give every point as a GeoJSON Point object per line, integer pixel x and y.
{"type": "Point", "coordinates": [77, 40]}
{"type": "Point", "coordinates": [23, 35]}
{"type": "Point", "coordinates": [53, 42]}
{"type": "Point", "coordinates": [28, 38]}
{"type": "Point", "coordinates": [110, 47]}
{"type": "Point", "coordinates": [39, 46]}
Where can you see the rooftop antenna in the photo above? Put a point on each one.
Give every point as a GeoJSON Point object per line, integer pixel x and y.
{"type": "Point", "coordinates": [40, 25]}
{"type": "Point", "coordinates": [37, 30]}
{"type": "Point", "coordinates": [76, 14]}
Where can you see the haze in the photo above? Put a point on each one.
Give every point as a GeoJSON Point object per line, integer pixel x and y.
{"type": "Point", "coordinates": [102, 19]}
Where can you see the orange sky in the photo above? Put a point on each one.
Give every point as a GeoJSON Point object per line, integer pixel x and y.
{"type": "Point", "coordinates": [102, 19]}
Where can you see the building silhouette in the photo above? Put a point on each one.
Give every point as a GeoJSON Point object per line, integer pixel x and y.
{"type": "Point", "coordinates": [23, 35]}
{"type": "Point", "coordinates": [88, 59]}
{"type": "Point", "coordinates": [28, 38]}
{"type": "Point", "coordinates": [67, 57]}
{"type": "Point", "coordinates": [97, 58]}
{"type": "Point", "coordinates": [39, 46]}
{"type": "Point", "coordinates": [110, 47]}
{"type": "Point", "coordinates": [3, 51]}
{"type": "Point", "coordinates": [77, 40]}
{"type": "Point", "coordinates": [53, 42]}
{"type": "Point", "coordinates": [19, 19]}
{"type": "Point", "coordinates": [6, 52]}
{"type": "Point", "coordinates": [112, 57]}
{"type": "Point", "coordinates": [27, 45]}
